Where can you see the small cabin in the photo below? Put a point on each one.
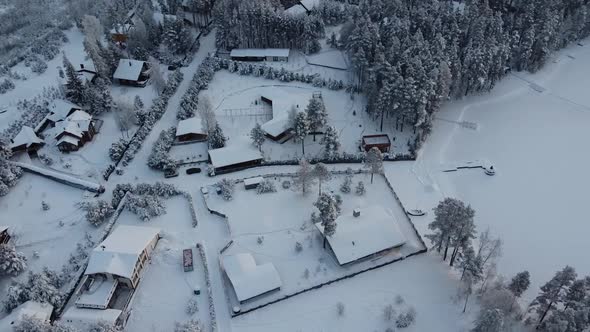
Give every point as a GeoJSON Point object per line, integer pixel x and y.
{"type": "Point", "coordinates": [381, 142]}
{"type": "Point", "coordinates": [252, 183]}
{"type": "Point", "coordinates": [132, 72]}
{"type": "Point", "coordinates": [191, 130]}
{"type": "Point", "coordinates": [26, 140]}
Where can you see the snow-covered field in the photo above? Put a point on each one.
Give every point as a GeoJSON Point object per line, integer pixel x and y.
{"type": "Point", "coordinates": [537, 142]}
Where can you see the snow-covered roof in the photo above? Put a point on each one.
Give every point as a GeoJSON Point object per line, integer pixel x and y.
{"type": "Point", "coordinates": [128, 69]}
{"type": "Point", "coordinates": [252, 181]}
{"type": "Point", "coordinates": [86, 76]}
{"type": "Point", "coordinates": [38, 310]}
{"type": "Point", "coordinates": [119, 252]}
{"type": "Point", "coordinates": [82, 317]}
{"type": "Point", "coordinates": [309, 4]}
{"type": "Point", "coordinates": [376, 139]}
{"type": "Point", "coordinates": [159, 17]}
{"type": "Point", "coordinates": [59, 109]}
{"type": "Point", "coordinates": [259, 52]}
{"type": "Point", "coordinates": [68, 139]}
{"type": "Point", "coordinates": [296, 10]}
{"type": "Point", "coordinates": [26, 136]}
{"type": "Point", "coordinates": [282, 103]}
{"type": "Point", "coordinates": [190, 126]}
{"type": "Point", "coordinates": [3, 228]}
{"type": "Point", "coordinates": [76, 124]}
{"type": "Point", "coordinates": [248, 279]}
{"type": "Point", "coordinates": [100, 293]}
{"type": "Point", "coordinates": [373, 231]}
{"type": "Point", "coordinates": [234, 154]}
{"type": "Point", "coordinates": [86, 65]}
{"type": "Point", "coordinates": [276, 126]}
{"type": "Point", "coordinates": [121, 28]}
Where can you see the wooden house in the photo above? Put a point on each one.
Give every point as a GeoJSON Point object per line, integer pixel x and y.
{"type": "Point", "coordinates": [132, 72]}
{"type": "Point", "coordinates": [381, 142]}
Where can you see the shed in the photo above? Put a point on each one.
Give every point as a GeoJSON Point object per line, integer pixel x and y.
{"type": "Point", "coordinates": [234, 158]}
{"type": "Point", "coordinates": [248, 279]}
{"type": "Point", "coordinates": [381, 142]}
{"type": "Point", "coordinates": [191, 130]}
{"type": "Point", "coordinates": [4, 236]}
{"type": "Point", "coordinates": [260, 54]}
{"type": "Point", "coordinates": [363, 234]}
{"type": "Point", "coordinates": [252, 183]}
{"type": "Point", "coordinates": [85, 318]}
{"type": "Point", "coordinates": [26, 140]}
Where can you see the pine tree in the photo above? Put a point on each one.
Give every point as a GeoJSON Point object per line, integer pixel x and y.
{"type": "Point", "coordinates": [327, 206]}
{"type": "Point", "coordinates": [100, 99]}
{"type": "Point", "coordinates": [304, 178]}
{"type": "Point", "coordinates": [452, 221]}
{"type": "Point", "coordinates": [331, 143]}
{"type": "Point", "coordinates": [176, 36]}
{"type": "Point", "coordinates": [301, 129]}
{"type": "Point", "coordinates": [360, 188]}
{"type": "Point", "coordinates": [519, 284]}
{"type": "Point", "coordinates": [75, 88]}
{"type": "Point", "coordinates": [491, 320]}
{"type": "Point", "coordinates": [553, 293]}
{"type": "Point", "coordinates": [12, 263]}
{"type": "Point", "coordinates": [317, 115]}
{"type": "Point", "coordinates": [258, 136]}
{"type": "Point", "coordinates": [216, 138]}
{"type": "Point", "coordinates": [374, 162]}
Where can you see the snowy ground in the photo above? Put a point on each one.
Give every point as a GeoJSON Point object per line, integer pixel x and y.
{"type": "Point", "coordinates": [240, 95]}
{"type": "Point", "coordinates": [35, 83]}
{"type": "Point", "coordinates": [536, 141]}
{"type": "Point", "coordinates": [283, 218]}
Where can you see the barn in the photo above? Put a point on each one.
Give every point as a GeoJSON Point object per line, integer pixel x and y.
{"type": "Point", "coordinates": [363, 234]}
{"type": "Point", "coordinates": [260, 54]}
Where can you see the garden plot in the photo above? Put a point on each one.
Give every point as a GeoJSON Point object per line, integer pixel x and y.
{"type": "Point", "coordinates": [270, 226]}
{"type": "Point", "coordinates": [237, 102]}
{"type": "Point", "coordinates": [165, 289]}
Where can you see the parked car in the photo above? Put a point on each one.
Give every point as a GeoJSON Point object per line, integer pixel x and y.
{"type": "Point", "coordinates": [170, 173]}
{"type": "Point", "coordinates": [193, 170]}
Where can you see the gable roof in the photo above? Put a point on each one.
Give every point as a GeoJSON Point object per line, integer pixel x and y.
{"type": "Point", "coordinates": [26, 136]}
{"type": "Point", "coordinates": [128, 69]}
{"type": "Point", "coordinates": [59, 109]}
{"type": "Point", "coordinates": [119, 252]}
{"type": "Point", "coordinates": [248, 279]}
{"type": "Point", "coordinates": [234, 154]}
{"type": "Point", "coordinates": [190, 126]}
{"type": "Point", "coordinates": [373, 231]}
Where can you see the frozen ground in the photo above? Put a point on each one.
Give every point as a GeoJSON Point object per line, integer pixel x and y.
{"type": "Point", "coordinates": [537, 142]}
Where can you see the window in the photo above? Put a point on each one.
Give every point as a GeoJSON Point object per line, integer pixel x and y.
{"type": "Point", "coordinates": [275, 58]}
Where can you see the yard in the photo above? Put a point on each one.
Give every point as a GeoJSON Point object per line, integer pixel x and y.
{"type": "Point", "coordinates": [238, 107]}
{"type": "Point", "coordinates": [270, 225]}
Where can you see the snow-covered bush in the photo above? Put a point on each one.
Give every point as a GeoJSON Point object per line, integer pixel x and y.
{"type": "Point", "coordinates": [45, 159]}
{"type": "Point", "coordinates": [103, 326]}
{"type": "Point", "coordinates": [345, 186]}
{"type": "Point", "coordinates": [340, 308]}
{"type": "Point", "coordinates": [266, 186]}
{"type": "Point", "coordinates": [28, 323]}
{"type": "Point", "coordinates": [399, 300]}
{"type": "Point", "coordinates": [12, 263]}
{"type": "Point", "coordinates": [145, 206]}
{"type": "Point", "coordinates": [212, 314]}
{"type": "Point", "coordinates": [298, 247]}
{"type": "Point", "coordinates": [97, 212]}
{"type": "Point", "coordinates": [360, 188]}
{"type": "Point", "coordinates": [406, 318]}
{"type": "Point", "coordinates": [39, 67]}
{"type": "Point", "coordinates": [286, 184]}
{"type": "Point", "coordinates": [227, 189]}
{"type": "Point", "coordinates": [159, 158]}
{"type": "Point", "coordinates": [192, 307]}
{"type": "Point", "coordinates": [45, 206]}
{"type": "Point", "coordinates": [6, 86]}
{"type": "Point", "coordinates": [189, 326]}
{"type": "Point", "coordinates": [117, 149]}
{"type": "Point", "coordinates": [40, 287]}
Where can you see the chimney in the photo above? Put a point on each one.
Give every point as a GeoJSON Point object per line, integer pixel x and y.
{"type": "Point", "coordinates": [356, 213]}
{"type": "Point", "coordinates": [129, 63]}
{"type": "Point", "coordinates": [81, 66]}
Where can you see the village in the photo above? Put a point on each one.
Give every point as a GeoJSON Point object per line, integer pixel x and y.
{"type": "Point", "coordinates": [156, 179]}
